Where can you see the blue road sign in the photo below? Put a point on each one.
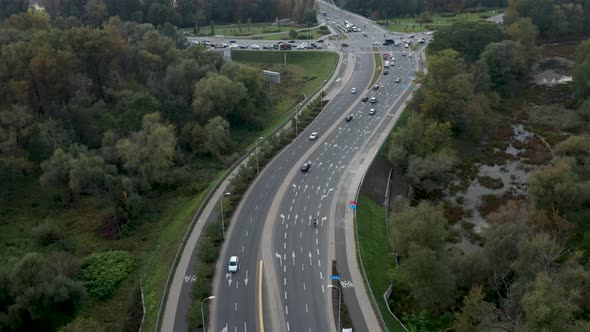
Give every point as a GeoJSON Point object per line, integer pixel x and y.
{"type": "Point", "coordinates": [335, 277]}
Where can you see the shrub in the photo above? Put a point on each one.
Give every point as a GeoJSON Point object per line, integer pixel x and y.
{"type": "Point", "coordinates": [47, 233]}
{"type": "Point", "coordinates": [556, 117]}
{"type": "Point", "coordinates": [490, 182]}
{"type": "Point", "coordinates": [103, 272]}
{"type": "Point", "coordinates": [425, 17]}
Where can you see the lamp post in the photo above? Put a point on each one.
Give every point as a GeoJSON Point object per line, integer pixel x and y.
{"type": "Point", "coordinates": [203, 312]}
{"type": "Point", "coordinates": [222, 221]}
{"type": "Point", "coordinates": [339, 301]}
{"type": "Point", "coordinates": [256, 144]}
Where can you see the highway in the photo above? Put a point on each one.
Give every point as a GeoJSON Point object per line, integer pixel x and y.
{"type": "Point", "coordinates": [299, 262]}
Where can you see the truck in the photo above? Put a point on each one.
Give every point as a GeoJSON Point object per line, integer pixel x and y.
{"type": "Point", "coordinates": [286, 47]}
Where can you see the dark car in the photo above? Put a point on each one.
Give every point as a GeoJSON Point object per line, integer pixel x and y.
{"type": "Point", "coordinates": [385, 72]}
{"type": "Point", "coordinates": [344, 45]}
{"type": "Point", "coordinates": [376, 87]}
{"type": "Point", "coordinates": [306, 166]}
{"type": "Point", "coordinates": [232, 41]}
{"type": "Point", "coordinates": [320, 40]}
{"type": "Point", "coordinates": [365, 98]}
{"type": "Point", "coordinates": [291, 41]}
{"type": "Point", "coordinates": [349, 118]}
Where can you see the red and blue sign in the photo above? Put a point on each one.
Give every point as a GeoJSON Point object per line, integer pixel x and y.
{"type": "Point", "coordinates": [352, 204]}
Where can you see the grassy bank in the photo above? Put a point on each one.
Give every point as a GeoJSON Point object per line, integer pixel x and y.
{"type": "Point", "coordinates": [409, 24]}
{"type": "Point", "coordinates": [304, 34]}
{"type": "Point", "coordinates": [305, 72]}
{"type": "Point", "coordinates": [378, 67]}
{"type": "Point", "coordinates": [241, 29]}
{"type": "Point", "coordinates": [376, 253]}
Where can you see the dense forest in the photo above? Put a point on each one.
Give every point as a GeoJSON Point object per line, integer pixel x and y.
{"type": "Point", "coordinates": [528, 268]}
{"type": "Point", "coordinates": [121, 114]}
{"type": "Point", "coordinates": [398, 8]}
{"type": "Point", "coordinates": [182, 13]}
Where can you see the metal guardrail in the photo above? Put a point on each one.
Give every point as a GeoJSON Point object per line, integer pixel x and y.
{"type": "Point", "coordinates": [295, 110]}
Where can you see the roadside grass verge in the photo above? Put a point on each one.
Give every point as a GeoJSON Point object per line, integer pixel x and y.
{"type": "Point", "coordinates": [305, 72]}
{"type": "Point", "coordinates": [234, 30]}
{"type": "Point", "coordinates": [376, 253]}
{"type": "Point", "coordinates": [378, 66]}
{"type": "Point", "coordinates": [302, 34]}
{"type": "Point", "coordinates": [409, 24]}
{"type": "Point", "coordinates": [161, 253]}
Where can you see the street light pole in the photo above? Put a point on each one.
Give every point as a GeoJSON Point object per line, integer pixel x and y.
{"type": "Point", "coordinates": [339, 301]}
{"type": "Point", "coordinates": [222, 221]}
{"type": "Point", "coordinates": [203, 312]}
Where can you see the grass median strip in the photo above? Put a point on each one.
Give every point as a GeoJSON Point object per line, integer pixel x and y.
{"type": "Point", "coordinates": [376, 253]}
{"type": "Point", "coordinates": [378, 66]}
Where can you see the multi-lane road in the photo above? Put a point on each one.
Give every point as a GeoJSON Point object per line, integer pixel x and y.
{"type": "Point", "coordinates": [285, 261]}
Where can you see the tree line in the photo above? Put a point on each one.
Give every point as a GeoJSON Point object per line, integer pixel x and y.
{"type": "Point", "coordinates": [118, 111]}
{"type": "Point", "coordinates": [397, 8]}
{"type": "Point", "coordinates": [183, 13]}
{"type": "Point", "coordinates": [555, 19]}
{"type": "Point", "coordinates": [122, 113]}
{"type": "Point", "coordinates": [530, 271]}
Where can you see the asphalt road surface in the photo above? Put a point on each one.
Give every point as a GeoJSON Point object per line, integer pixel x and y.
{"type": "Point", "coordinates": [300, 252]}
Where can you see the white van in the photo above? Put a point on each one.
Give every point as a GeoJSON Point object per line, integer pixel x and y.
{"type": "Point", "coordinates": [386, 65]}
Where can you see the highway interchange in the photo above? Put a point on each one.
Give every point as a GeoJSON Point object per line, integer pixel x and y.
{"type": "Point", "coordinates": [286, 262]}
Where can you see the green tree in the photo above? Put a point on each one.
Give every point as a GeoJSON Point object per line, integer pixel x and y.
{"type": "Point", "coordinates": [419, 137]}
{"type": "Point", "coordinates": [40, 298]}
{"type": "Point", "coordinates": [557, 188]}
{"type": "Point", "coordinates": [432, 283]}
{"type": "Point", "coordinates": [149, 152]}
{"type": "Point", "coordinates": [293, 34]}
{"type": "Point", "coordinates": [445, 89]}
{"type": "Point", "coordinates": [582, 71]}
{"type": "Point", "coordinates": [423, 225]}
{"type": "Point", "coordinates": [505, 66]}
{"type": "Point", "coordinates": [216, 95]}
{"type": "Point", "coordinates": [430, 174]}
{"type": "Point", "coordinates": [469, 38]}
{"type": "Point", "coordinates": [577, 147]}
{"type": "Point", "coordinates": [212, 25]}
{"type": "Point", "coordinates": [16, 127]}
{"type": "Point", "coordinates": [95, 12]}
{"type": "Point", "coordinates": [218, 140]}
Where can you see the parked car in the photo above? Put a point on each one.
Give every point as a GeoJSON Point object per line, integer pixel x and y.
{"type": "Point", "coordinates": [234, 264]}
{"type": "Point", "coordinates": [349, 118]}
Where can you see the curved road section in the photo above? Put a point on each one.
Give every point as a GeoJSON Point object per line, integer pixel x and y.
{"type": "Point", "coordinates": [285, 262]}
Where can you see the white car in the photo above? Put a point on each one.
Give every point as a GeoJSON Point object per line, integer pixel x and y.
{"type": "Point", "coordinates": [407, 45]}
{"type": "Point", "coordinates": [404, 53]}
{"type": "Point", "coordinates": [376, 43]}
{"type": "Point", "coordinates": [372, 111]}
{"type": "Point", "coordinates": [373, 100]}
{"type": "Point", "coordinates": [255, 47]}
{"type": "Point", "coordinates": [353, 91]}
{"type": "Point", "coordinates": [410, 55]}
{"type": "Point", "coordinates": [313, 136]}
{"type": "Point", "coordinates": [234, 264]}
